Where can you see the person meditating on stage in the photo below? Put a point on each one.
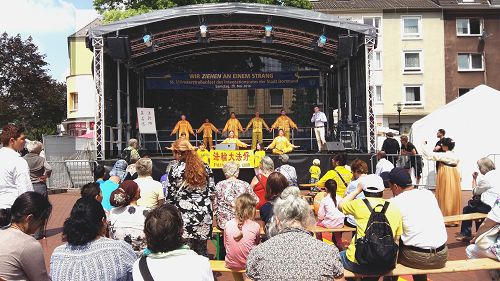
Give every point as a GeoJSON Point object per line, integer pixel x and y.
{"type": "Point", "coordinates": [284, 123]}
{"type": "Point", "coordinates": [257, 123]}
{"type": "Point", "coordinates": [281, 144]}
{"type": "Point", "coordinates": [183, 126]}
{"type": "Point", "coordinates": [234, 125]}
{"type": "Point", "coordinates": [207, 129]}
{"type": "Point", "coordinates": [232, 139]}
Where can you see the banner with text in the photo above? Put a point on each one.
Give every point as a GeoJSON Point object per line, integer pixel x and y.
{"type": "Point", "coordinates": [244, 158]}
{"type": "Point", "coordinates": [233, 80]}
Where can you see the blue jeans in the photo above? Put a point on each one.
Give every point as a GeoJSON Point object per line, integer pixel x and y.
{"type": "Point", "coordinates": [361, 269]}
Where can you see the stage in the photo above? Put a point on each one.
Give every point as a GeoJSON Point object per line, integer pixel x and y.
{"type": "Point", "coordinates": [301, 162]}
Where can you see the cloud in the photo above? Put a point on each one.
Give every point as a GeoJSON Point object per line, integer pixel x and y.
{"type": "Point", "coordinates": [41, 16]}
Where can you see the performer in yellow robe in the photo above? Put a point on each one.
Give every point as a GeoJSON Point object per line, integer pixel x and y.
{"type": "Point", "coordinates": [207, 129]}
{"type": "Point", "coordinates": [234, 125]}
{"type": "Point", "coordinates": [284, 123]}
{"type": "Point", "coordinates": [183, 126]}
{"type": "Point", "coordinates": [257, 123]}
{"type": "Point", "coordinates": [203, 153]}
{"type": "Point", "coordinates": [281, 144]}
{"type": "Point", "coordinates": [232, 139]}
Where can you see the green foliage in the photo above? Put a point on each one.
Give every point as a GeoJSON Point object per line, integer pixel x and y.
{"type": "Point", "coordinates": [114, 10]}
{"type": "Point", "coordinates": [28, 95]}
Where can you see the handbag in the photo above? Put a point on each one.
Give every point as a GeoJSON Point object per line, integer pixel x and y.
{"type": "Point", "coordinates": [487, 239]}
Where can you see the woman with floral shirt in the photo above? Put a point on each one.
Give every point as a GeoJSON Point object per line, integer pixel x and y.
{"type": "Point", "coordinates": [190, 186]}
{"type": "Point", "coordinates": [227, 191]}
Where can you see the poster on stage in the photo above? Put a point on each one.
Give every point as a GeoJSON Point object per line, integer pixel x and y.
{"type": "Point", "coordinates": [244, 158]}
{"type": "Point", "coordinates": [146, 120]}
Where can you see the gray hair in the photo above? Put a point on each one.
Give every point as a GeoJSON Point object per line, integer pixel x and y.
{"type": "Point", "coordinates": [132, 142]}
{"type": "Point", "coordinates": [485, 165]}
{"type": "Point", "coordinates": [144, 167]}
{"type": "Point", "coordinates": [284, 158]}
{"type": "Point", "coordinates": [288, 209]}
{"type": "Point", "coordinates": [34, 147]}
{"type": "Point", "coordinates": [231, 169]}
{"type": "Point", "coordinates": [267, 164]}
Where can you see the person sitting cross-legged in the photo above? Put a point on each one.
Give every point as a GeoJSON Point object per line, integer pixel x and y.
{"type": "Point", "coordinates": [423, 241]}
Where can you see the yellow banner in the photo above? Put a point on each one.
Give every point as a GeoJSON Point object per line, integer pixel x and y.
{"type": "Point", "coordinates": [245, 158]}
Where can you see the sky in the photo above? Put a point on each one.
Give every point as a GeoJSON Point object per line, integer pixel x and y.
{"type": "Point", "coordinates": [49, 22]}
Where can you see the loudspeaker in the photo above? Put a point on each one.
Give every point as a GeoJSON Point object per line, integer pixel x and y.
{"type": "Point", "coordinates": [118, 47]}
{"type": "Point", "coordinates": [348, 45]}
{"type": "Point", "coordinates": [334, 146]}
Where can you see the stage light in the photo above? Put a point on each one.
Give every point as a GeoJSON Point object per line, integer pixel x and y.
{"type": "Point", "coordinates": [203, 30]}
{"type": "Point", "coordinates": [322, 41]}
{"type": "Point", "coordinates": [268, 30]}
{"type": "Point", "coordinates": [147, 40]}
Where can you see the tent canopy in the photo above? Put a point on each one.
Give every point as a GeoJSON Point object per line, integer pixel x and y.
{"type": "Point", "coordinates": [471, 121]}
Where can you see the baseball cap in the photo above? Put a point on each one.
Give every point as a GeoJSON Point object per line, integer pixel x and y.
{"type": "Point", "coordinates": [385, 178]}
{"type": "Point", "coordinates": [119, 169]}
{"type": "Point", "coordinates": [372, 183]}
{"type": "Point", "coordinates": [400, 177]}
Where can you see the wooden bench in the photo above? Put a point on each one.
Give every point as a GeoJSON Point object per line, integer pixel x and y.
{"type": "Point", "coordinates": [466, 217]}
{"type": "Point", "coordinates": [451, 267]}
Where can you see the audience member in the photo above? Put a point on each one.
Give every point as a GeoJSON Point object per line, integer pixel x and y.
{"type": "Point", "coordinates": [91, 190]}
{"type": "Point", "coordinates": [21, 256]}
{"type": "Point", "coordinates": [88, 255]}
{"type": "Point", "coordinates": [414, 161]}
{"type": "Point", "coordinates": [115, 178]}
{"type": "Point", "coordinates": [293, 253]}
{"type": "Point", "coordinates": [169, 258]}
{"type": "Point", "coordinates": [99, 173]}
{"type": "Point", "coordinates": [383, 165]}
{"type": "Point", "coordinates": [258, 183]}
{"type": "Point", "coordinates": [483, 245]}
{"type": "Point", "coordinates": [190, 186]}
{"type": "Point", "coordinates": [131, 171]}
{"type": "Point", "coordinates": [340, 173]}
{"type": "Point", "coordinates": [14, 171]}
{"type": "Point", "coordinates": [485, 191]}
{"type": "Point", "coordinates": [242, 233]}
{"type": "Point", "coordinates": [423, 241]}
{"type": "Point", "coordinates": [276, 183]}
{"type": "Point", "coordinates": [40, 170]}
{"type": "Point", "coordinates": [151, 190]}
{"type": "Point", "coordinates": [329, 215]}
{"type": "Point", "coordinates": [315, 173]}
{"type": "Point", "coordinates": [287, 170]}
{"type": "Point", "coordinates": [227, 191]}
{"type": "Point", "coordinates": [391, 146]}
{"type": "Point", "coordinates": [127, 219]}
{"type": "Point", "coordinates": [131, 151]}
{"type": "Point", "coordinates": [373, 188]}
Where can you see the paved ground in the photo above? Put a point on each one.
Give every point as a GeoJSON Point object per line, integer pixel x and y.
{"type": "Point", "coordinates": [62, 204]}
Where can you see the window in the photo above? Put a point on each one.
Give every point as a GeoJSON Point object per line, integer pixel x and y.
{"type": "Point", "coordinates": [463, 91]}
{"type": "Point", "coordinates": [412, 61]}
{"type": "Point", "coordinates": [276, 97]}
{"type": "Point", "coordinates": [73, 97]}
{"type": "Point", "coordinates": [413, 95]}
{"type": "Point", "coordinates": [251, 98]}
{"type": "Point", "coordinates": [377, 60]}
{"type": "Point", "coordinates": [469, 27]}
{"type": "Point", "coordinates": [378, 94]}
{"type": "Point", "coordinates": [411, 27]}
{"type": "Point", "coordinates": [470, 62]}
{"type": "Point", "coordinates": [374, 21]}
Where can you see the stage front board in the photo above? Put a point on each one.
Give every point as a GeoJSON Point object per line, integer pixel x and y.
{"type": "Point", "coordinates": [244, 158]}
{"type": "Point", "coordinates": [146, 119]}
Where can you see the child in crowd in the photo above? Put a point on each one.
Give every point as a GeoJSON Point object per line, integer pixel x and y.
{"type": "Point", "coordinates": [242, 233]}
{"type": "Point", "coordinates": [329, 216]}
{"type": "Point", "coordinates": [315, 171]}
{"type": "Point", "coordinates": [203, 153]}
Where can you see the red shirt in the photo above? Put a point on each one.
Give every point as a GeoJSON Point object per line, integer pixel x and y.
{"type": "Point", "coordinates": [260, 190]}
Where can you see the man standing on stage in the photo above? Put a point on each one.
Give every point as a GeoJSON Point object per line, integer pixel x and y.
{"type": "Point", "coordinates": [257, 124]}
{"type": "Point", "coordinates": [207, 129]}
{"type": "Point", "coordinates": [440, 135]}
{"type": "Point", "coordinates": [319, 120]}
{"type": "Point", "coordinates": [234, 125]}
{"type": "Point", "coordinates": [284, 123]}
{"type": "Point", "coordinates": [183, 126]}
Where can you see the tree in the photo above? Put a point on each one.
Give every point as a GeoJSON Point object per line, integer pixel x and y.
{"type": "Point", "coordinates": [28, 95]}
{"type": "Point", "coordinates": [113, 10]}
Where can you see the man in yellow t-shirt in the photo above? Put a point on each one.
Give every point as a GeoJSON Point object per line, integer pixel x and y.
{"type": "Point", "coordinates": [203, 153]}
{"type": "Point", "coordinates": [234, 125]}
{"type": "Point", "coordinates": [284, 123]}
{"type": "Point", "coordinates": [257, 123]}
{"type": "Point", "coordinates": [183, 126]}
{"type": "Point", "coordinates": [340, 174]}
{"type": "Point", "coordinates": [207, 128]}
{"type": "Point", "coordinates": [373, 188]}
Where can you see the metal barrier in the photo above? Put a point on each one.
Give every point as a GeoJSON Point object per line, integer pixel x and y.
{"type": "Point", "coordinates": [71, 173]}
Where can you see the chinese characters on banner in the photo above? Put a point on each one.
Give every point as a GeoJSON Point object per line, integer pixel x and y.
{"type": "Point", "coordinates": [245, 158]}
{"type": "Point", "coordinates": [146, 120]}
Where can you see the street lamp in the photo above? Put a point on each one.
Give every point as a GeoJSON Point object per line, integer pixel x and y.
{"type": "Point", "coordinates": [399, 107]}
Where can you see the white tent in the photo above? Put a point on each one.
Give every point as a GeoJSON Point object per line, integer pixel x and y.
{"type": "Point", "coordinates": [471, 120]}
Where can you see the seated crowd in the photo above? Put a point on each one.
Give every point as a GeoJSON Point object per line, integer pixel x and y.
{"type": "Point", "coordinates": [132, 227]}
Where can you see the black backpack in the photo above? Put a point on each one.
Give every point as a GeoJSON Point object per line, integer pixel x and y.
{"type": "Point", "coordinates": [377, 248]}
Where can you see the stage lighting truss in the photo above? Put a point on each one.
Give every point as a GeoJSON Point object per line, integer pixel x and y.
{"type": "Point", "coordinates": [322, 41]}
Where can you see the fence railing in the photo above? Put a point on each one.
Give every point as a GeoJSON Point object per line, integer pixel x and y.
{"type": "Point", "coordinates": [71, 173]}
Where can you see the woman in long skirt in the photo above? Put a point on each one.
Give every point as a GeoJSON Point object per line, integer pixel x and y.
{"type": "Point", "coordinates": [448, 188]}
